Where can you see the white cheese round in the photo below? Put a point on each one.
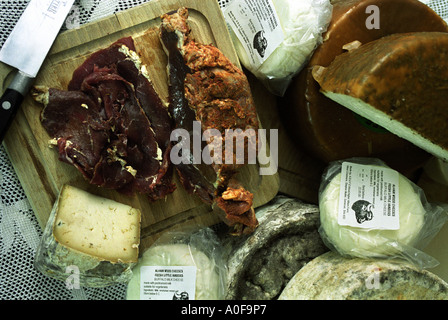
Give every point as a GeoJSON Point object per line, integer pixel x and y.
{"type": "Point", "coordinates": [356, 241]}
{"type": "Point", "coordinates": [302, 26]}
{"type": "Point", "coordinates": [208, 280]}
{"type": "Point", "coordinates": [302, 23]}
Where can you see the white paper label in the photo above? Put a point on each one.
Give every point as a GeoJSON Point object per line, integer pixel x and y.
{"type": "Point", "coordinates": [257, 26]}
{"type": "Point", "coordinates": [369, 197]}
{"type": "Point", "coordinates": [167, 283]}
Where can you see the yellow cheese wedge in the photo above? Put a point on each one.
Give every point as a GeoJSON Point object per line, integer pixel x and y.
{"type": "Point", "coordinates": [97, 237]}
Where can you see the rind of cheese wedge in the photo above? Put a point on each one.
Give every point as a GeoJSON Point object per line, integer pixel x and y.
{"type": "Point", "coordinates": [97, 237]}
{"type": "Point", "coordinates": [399, 82]}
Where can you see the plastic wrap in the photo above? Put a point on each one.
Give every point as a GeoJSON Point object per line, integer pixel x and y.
{"type": "Point", "coordinates": [180, 266]}
{"type": "Point", "coordinates": [302, 24]}
{"type": "Point", "coordinates": [416, 221]}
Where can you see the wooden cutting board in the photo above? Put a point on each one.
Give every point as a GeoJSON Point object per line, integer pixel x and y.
{"type": "Point", "coordinates": [36, 164]}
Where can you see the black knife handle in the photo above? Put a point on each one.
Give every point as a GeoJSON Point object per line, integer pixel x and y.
{"type": "Point", "coordinates": [11, 100]}
{"type": "Point", "coordinates": [9, 104]}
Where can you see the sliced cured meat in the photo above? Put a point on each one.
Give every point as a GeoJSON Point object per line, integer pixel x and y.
{"type": "Point", "coordinates": [206, 87]}
{"type": "Point", "coordinates": [111, 124]}
{"type": "Point", "coordinates": [321, 126]}
{"type": "Point", "coordinates": [399, 82]}
{"type": "Point", "coordinates": [107, 57]}
{"type": "Point", "coordinates": [87, 122]}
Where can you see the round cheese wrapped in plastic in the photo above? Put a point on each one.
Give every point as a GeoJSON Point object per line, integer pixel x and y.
{"type": "Point", "coordinates": [302, 23]}
{"type": "Point", "coordinates": [178, 261]}
{"type": "Point", "coordinates": [404, 235]}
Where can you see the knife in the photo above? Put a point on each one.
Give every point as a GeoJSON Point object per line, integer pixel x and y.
{"type": "Point", "coordinates": [26, 48]}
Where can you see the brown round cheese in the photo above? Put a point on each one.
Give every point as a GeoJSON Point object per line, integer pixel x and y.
{"type": "Point", "coordinates": [329, 131]}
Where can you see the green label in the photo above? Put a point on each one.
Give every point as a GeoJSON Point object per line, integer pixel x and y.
{"type": "Point", "coordinates": [369, 124]}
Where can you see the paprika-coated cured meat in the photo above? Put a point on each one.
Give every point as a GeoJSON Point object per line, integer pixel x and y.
{"type": "Point", "coordinates": [205, 87]}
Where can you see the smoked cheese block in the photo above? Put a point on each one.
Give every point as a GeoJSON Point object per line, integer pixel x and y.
{"type": "Point", "coordinates": [323, 127]}
{"type": "Point", "coordinates": [333, 277]}
{"type": "Point", "coordinates": [399, 82]}
{"type": "Point", "coordinates": [93, 237]}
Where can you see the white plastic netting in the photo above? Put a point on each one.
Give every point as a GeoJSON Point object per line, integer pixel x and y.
{"type": "Point", "coordinates": [19, 229]}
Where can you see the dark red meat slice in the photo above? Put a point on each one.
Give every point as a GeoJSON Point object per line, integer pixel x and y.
{"type": "Point", "coordinates": [86, 123]}
{"type": "Point", "coordinates": [117, 132]}
{"type": "Point", "coordinates": [107, 57]}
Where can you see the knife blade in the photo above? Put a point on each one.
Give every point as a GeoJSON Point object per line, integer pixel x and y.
{"type": "Point", "coordinates": [26, 49]}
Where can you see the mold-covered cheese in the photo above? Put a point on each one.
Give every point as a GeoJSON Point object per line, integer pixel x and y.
{"type": "Point", "coordinates": [399, 82]}
{"type": "Point", "coordinates": [97, 237]}
{"type": "Point", "coordinates": [333, 277]}
{"type": "Point", "coordinates": [261, 264]}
